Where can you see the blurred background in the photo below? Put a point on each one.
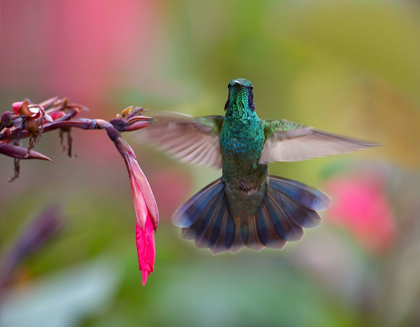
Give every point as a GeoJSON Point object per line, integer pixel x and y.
{"type": "Point", "coordinates": [348, 67]}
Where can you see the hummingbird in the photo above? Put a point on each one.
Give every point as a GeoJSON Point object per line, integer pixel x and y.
{"type": "Point", "coordinates": [246, 206]}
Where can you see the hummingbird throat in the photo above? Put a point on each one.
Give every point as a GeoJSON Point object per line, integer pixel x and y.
{"type": "Point", "coordinates": [240, 103]}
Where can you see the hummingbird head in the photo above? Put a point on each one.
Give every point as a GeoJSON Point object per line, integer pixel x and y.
{"type": "Point", "coordinates": [240, 93]}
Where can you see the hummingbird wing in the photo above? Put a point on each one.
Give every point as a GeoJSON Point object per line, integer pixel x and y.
{"type": "Point", "coordinates": [288, 141]}
{"type": "Point", "coordinates": [189, 139]}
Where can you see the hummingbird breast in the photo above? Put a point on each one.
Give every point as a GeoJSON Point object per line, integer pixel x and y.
{"type": "Point", "coordinates": [241, 144]}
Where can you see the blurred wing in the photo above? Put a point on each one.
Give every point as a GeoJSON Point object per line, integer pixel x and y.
{"type": "Point", "coordinates": [288, 141]}
{"type": "Point", "coordinates": [189, 139]}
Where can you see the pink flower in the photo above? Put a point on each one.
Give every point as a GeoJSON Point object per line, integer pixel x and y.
{"type": "Point", "coordinates": [30, 110]}
{"type": "Point", "coordinates": [146, 210]}
{"type": "Point", "coordinates": [145, 249]}
{"type": "Point", "coordinates": [57, 115]}
{"type": "Point", "coordinates": [145, 206]}
{"type": "Point", "coordinates": [16, 106]}
{"type": "Point", "coordinates": [361, 206]}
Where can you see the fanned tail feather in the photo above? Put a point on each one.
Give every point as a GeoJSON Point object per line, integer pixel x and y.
{"type": "Point", "coordinates": [206, 219]}
{"type": "Point", "coordinates": [288, 207]}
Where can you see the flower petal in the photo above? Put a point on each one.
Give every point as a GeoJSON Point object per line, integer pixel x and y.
{"type": "Point", "coordinates": [143, 186]}
{"type": "Point", "coordinates": [16, 106]}
{"type": "Point", "coordinates": [48, 118]}
{"type": "Point", "coordinates": [24, 109]}
{"type": "Point", "coordinates": [142, 193]}
{"type": "Point", "coordinates": [145, 249]}
{"type": "Point", "coordinates": [139, 204]}
{"type": "Point", "coordinates": [57, 115]}
{"type": "Point", "coordinates": [139, 124]}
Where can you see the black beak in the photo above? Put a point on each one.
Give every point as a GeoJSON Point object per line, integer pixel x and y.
{"type": "Point", "coordinates": [237, 85]}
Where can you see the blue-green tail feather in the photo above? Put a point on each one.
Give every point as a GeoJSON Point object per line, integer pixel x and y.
{"type": "Point", "coordinates": [288, 207]}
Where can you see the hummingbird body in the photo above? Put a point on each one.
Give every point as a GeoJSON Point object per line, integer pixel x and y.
{"type": "Point", "coordinates": [241, 144]}
{"type": "Point", "coordinates": [246, 206]}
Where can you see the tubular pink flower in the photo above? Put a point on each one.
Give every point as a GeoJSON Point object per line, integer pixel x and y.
{"type": "Point", "coordinates": [146, 212]}
{"type": "Point", "coordinates": [144, 204]}
{"type": "Point", "coordinates": [145, 249]}
{"type": "Point", "coordinates": [143, 197]}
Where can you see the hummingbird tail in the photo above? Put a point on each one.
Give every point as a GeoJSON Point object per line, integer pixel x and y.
{"type": "Point", "coordinates": [287, 207]}
{"type": "Point", "coordinates": [206, 219]}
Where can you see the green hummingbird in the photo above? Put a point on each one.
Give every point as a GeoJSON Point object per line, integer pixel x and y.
{"type": "Point", "coordinates": [246, 206]}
